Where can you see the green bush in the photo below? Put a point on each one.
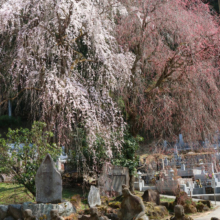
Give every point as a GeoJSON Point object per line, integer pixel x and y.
{"type": "Point", "coordinates": [128, 157]}
{"type": "Point", "coordinates": [28, 149]}
{"type": "Point", "coordinates": [82, 154]}
{"type": "Point", "coordinates": [182, 198]}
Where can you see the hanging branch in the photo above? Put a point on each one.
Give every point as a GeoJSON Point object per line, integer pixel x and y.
{"type": "Point", "coordinates": [24, 89]}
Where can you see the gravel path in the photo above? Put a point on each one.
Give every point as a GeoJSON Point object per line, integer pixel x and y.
{"type": "Point", "coordinates": [209, 215]}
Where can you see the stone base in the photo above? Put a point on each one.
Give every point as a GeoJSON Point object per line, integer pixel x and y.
{"type": "Point", "coordinates": [43, 210]}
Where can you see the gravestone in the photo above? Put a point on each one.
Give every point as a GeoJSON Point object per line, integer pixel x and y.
{"type": "Point", "coordinates": [181, 142]}
{"type": "Point", "coordinates": [171, 174]}
{"type": "Point", "coordinates": [165, 162]}
{"type": "Point", "coordinates": [179, 211]}
{"type": "Point", "coordinates": [210, 168]}
{"type": "Point", "coordinates": [176, 150]}
{"type": "Point", "coordinates": [203, 169]}
{"type": "Point", "coordinates": [162, 164]}
{"type": "Point", "coordinates": [48, 182]}
{"type": "Point", "coordinates": [112, 178]}
{"type": "Point", "coordinates": [179, 159]}
{"type": "Point", "coordinates": [151, 196]}
{"type": "Point", "coordinates": [179, 214]}
{"type": "Point", "coordinates": [183, 166]}
{"type": "Point", "coordinates": [164, 145]}
{"type": "Point", "coordinates": [94, 197]}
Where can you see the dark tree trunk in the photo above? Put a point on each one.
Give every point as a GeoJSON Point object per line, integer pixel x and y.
{"type": "Point", "coordinates": [131, 183]}
{"type": "Point", "coordinates": [219, 5]}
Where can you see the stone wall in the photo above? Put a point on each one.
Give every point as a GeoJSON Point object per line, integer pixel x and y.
{"type": "Point", "coordinates": [16, 211]}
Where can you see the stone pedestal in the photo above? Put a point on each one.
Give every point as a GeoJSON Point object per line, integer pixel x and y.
{"type": "Point", "coordinates": [42, 210]}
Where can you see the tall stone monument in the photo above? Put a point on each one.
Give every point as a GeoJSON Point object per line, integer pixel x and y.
{"type": "Point", "coordinates": [181, 142]}
{"type": "Point", "coordinates": [165, 162]}
{"type": "Point", "coordinates": [48, 182]}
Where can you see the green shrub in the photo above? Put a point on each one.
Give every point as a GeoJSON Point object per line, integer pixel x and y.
{"type": "Point", "coordinates": [128, 157]}
{"type": "Point", "coordinates": [28, 149]}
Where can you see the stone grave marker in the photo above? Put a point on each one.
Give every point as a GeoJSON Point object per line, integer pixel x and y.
{"type": "Point", "coordinates": [151, 196]}
{"type": "Point", "coordinates": [183, 166]}
{"type": "Point", "coordinates": [94, 197]}
{"type": "Point", "coordinates": [181, 142]}
{"type": "Point", "coordinates": [112, 179]}
{"type": "Point", "coordinates": [165, 145]}
{"type": "Point", "coordinates": [165, 162]}
{"type": "Point", "coordinates": [48, 182]}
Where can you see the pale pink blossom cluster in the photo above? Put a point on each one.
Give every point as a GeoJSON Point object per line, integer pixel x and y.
{"type": "Point", "coordinates": [68, 63]}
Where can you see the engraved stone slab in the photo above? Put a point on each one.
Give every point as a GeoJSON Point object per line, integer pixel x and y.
{"type": "Point", "coordinates": [112, 178]}
{"type": "Point", "coordinates": [48, 182]}
{"type": "Point", "coordinates": [42, 211]}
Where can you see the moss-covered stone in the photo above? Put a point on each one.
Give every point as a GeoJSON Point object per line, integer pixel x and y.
{"type": "Point", "coordinates": [102, 209]}
{"type": "Point", "coordinates": [155, 212]}
{"type": "Point", "coordinates": [162, 210]}
{"type": "Point", "coordinates": [115, 204]}
{"type": "Point", "coordinates": [153, 215]}
{"type": "Point", "coordinates": [104, 200]}
{"type": "Point", "coordinates": [149, 205]}
{"type": "Point", "coordinates": [182, 198]}
{"type": "Point", "coordinates": [206, 202]}
{"type": "Point", "coordinates": [189, 209]}
{"type": "Point", "coordinates": [201, 207]}
{"type": "Point", "coordinates": [73, 216]}
{"type": "Point", "coordinates": [76, 201]}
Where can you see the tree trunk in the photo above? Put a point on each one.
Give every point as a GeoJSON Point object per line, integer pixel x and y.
{"type": "Point", "coordinates": [219, 5]}
{"type": "Point", "coordinates": [131, 183]}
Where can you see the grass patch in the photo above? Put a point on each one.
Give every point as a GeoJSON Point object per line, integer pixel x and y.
{"type": "Point", "coordinates": [16, 194]}
{"type": "Point", "coordinates": [162, 198]}
{"type": "Point", "coordinates": [165, 199]}
{"type": "Point", "coordinates": [69, 192]}
{"type": "Point", "coordinates": [13, 194]}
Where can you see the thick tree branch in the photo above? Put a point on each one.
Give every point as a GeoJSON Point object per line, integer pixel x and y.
{"type": "Point", "coordinates": [24, 89]}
